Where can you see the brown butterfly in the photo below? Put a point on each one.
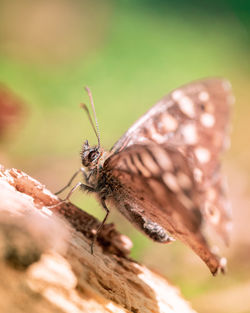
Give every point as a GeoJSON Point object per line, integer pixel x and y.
{"type": "Point", "coordinates": [163, 174]}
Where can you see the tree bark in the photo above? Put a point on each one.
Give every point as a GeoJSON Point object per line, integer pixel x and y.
{"type": "Point", "coordinates": [46, 264]}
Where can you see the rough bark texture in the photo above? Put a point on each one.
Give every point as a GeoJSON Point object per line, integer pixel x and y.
{"type": "Point", "coordinates": [46, 265]}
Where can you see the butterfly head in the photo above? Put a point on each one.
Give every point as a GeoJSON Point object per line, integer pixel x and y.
{"type": "Point", "coordinates": [90, 155]}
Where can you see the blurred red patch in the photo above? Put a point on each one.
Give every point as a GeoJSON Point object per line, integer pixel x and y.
{"type": "Point", "coordinates": [11, 111]}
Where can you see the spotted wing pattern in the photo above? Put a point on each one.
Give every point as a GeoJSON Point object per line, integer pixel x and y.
{"type": "Point", "coordinates": [158, 193]}
{"type": "Point", "coordinates": [168, 162]}
{"type": "Point", "coordinates": [165, 180]}
{"type": "Point", "coordinates": [194, 117]}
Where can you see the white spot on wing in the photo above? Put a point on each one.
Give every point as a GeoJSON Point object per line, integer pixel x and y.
{"type": "Point", "coordinates": [198, 175]}
{"type": "Point", "coordinates": [186, 105]}
{"type": "Point", "coordinates": [203, 96]}
{"type": "Point", "coordinates": [149, 163]}
{"type": "Point", "coordinates": [142, 139]}
{"type": "Point", "coordinates": [169, 122]}
{"type": "Point", "coordinates": [158, 138]}
{"type": "Point", "coordinates": [207, 120]}
{"type": "Point", "coordinates": [202, 154]}
{"type": "Point", "coordinates": [162, 158]}
{"type": "Point", "coordinates": [171, 181]}
{"type": "Point", "coordinates": [177, 94]}
{"type": "Point", "coordinates": [154, 134]}
{"type": "Point", "coordinates": [190, 134]}
{"type": "Point", "coordinates": [223, 262]}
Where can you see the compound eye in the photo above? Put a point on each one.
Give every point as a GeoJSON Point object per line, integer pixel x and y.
{"type": "Point", "coordinates": [93, 155]}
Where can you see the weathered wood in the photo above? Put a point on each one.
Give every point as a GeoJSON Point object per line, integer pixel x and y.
{"type": "Point", "coordinates": [46, 264]}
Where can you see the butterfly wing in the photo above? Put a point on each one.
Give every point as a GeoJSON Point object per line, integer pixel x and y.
{"type": "Point", "coordinates": [155, 190]}
{"type": "Point", "coordinates": [192, 121]}
{"type": "Point", "coordinates": [194, 117]}
{"type": "Point", "coordinates": [163, 122]}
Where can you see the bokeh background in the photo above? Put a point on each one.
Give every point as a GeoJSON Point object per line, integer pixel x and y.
{"type": "Point", "coordinates": [130, 53]}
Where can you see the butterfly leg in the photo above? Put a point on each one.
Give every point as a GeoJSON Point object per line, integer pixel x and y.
{"type": "Point", "coordinates": [100, 226]}
{"type": "Point", "coordinates": [78, 185]}
{"type": "Point", "coordinates": [71, 180]}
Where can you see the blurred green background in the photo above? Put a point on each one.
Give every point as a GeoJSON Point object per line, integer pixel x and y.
{"type": "Point", "coordinates": [130, 53]}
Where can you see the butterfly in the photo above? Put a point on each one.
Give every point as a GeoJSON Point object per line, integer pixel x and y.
{"type": "Point", "coordinates": [164, 173]}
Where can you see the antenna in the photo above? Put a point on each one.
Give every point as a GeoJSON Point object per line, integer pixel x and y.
{"type": "Point", "coordinates": [95, 127]}
{"type": "Point", "coordinates": [83, 105]}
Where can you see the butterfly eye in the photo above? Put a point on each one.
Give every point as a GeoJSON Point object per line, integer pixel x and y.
{"type": "Point", "coordinates": [93, 155]}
